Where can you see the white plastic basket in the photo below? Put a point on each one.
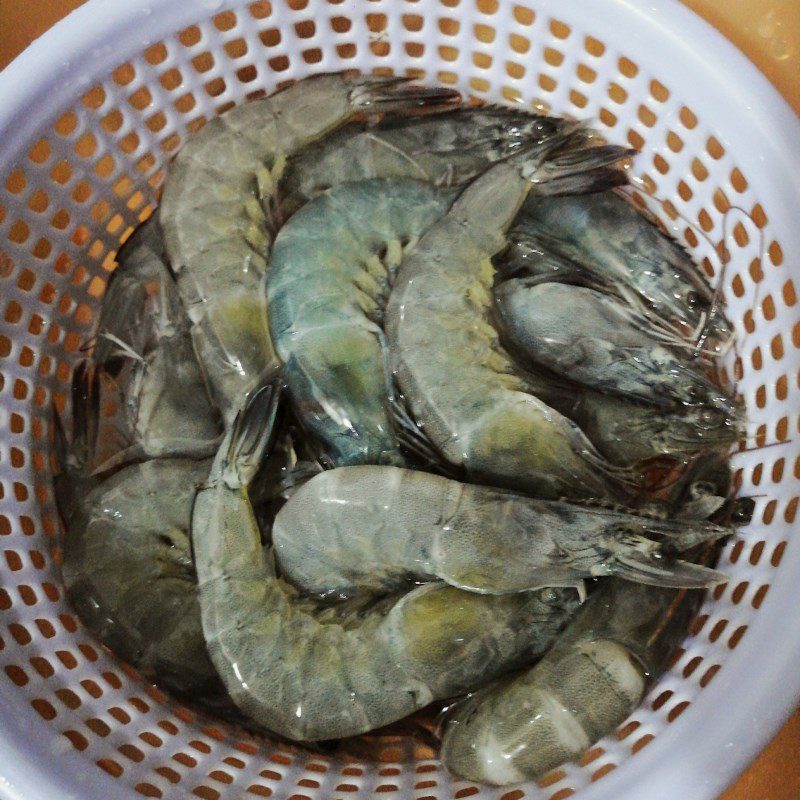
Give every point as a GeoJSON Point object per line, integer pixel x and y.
{"type": "Point", "coordinates": [90, 114]}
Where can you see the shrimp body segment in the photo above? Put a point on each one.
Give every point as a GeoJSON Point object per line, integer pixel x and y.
{"type": "Point", "coordinates": [459, 382]}
{"type": "Point", "coordinates": [312, 671]}
{"type": "Point", "coordinates": [219, 213]}
{"type": "Point", "coordinates": [375, 529]}
{"type": "Point", "coordinates": [330, 274]}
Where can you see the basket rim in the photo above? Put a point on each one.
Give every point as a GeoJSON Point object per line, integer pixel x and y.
{"type": "Point", "coordinates": [25, 87]}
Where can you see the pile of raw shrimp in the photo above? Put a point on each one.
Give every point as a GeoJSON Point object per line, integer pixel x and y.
{"type": "Point", "coordinates": [389, 408]}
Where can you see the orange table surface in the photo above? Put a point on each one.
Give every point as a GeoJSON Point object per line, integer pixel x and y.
{"type": "Point", "coordinates": [768, 32]}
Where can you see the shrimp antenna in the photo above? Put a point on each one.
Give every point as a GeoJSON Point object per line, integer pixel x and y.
{"type": "Point", "coordinates": [646, 196]}
{"type": "Point", "coordinates": [397, 151]}
{"type": "Point", "coordinates": [125, 350]}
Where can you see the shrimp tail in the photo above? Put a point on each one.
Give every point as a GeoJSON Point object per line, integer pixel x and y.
{"type": "Point", "coordinates": [581, 171]}
{"type": "Point", "coordinates": [654, 570]}
{"type": "Point", "coordinates": [254, 431]}
{"type": "Point", "coordinates": [382, 94]}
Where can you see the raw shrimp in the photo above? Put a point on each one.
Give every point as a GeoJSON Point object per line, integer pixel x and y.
{"type": "Point", "coordinates": [595, 675]}
{"type": "Point", "coordinates": [329, 276]}
{"type": "Point", "coordinates": [446, 150]}
{"type": "Point", "coordinates": [629, 433]}
{"type": "Point", "coordinates": [309, 671]}
{"type": "Point", "coordinates": [145, 354]}
{"type": "Point", "coordinates": [606, 234]}
{"type": "Point", "coordinates": [375, 529]}
{"type": "Point", "coordinates": [459, 382]}
{"type": "Point", "coordinates": [127, 565]}
{"type": "Point", "coordinates": [599, 341]}
{"type": "Point", "coordinates": [219, 214]}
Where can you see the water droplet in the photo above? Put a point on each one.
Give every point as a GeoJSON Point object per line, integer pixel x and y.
{"type": "Point", "coordinates": [768, 25]}
{"type": "Point", "coordinates": [780, 48]}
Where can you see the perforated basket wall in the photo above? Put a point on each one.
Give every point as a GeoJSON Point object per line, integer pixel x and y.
{"type": "Point", "coordinates": [83, 152]}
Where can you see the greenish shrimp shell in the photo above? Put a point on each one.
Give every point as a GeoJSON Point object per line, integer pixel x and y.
{"type": "Point", "coordinates": [597, 340]}
{"type": "Point", "coordinates": [458, 380]}
{"type": "Point", "coordinates": [607, 235]}
{"type": "Point", "coordinates": [310, 671]}
{"type": "Point", "coordinates": [446, 150]}
{"type": "Point", "coordinates": [330, 273]}
{"type": "Point", "coordinates": [219, 213]}
{"type": "Point", "coordinates": [148, 365]}
{"type": "Point", "coordinates": [376, 529]}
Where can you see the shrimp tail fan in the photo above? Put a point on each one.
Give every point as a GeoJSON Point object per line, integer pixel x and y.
{"type": "Point", "coordinates": [254, 430]}
{"type": "Point", "coordinates": [582, 171]}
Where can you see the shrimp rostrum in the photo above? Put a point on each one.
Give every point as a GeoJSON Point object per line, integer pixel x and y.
{"type": "Point", "coordinates": [309, 670]}
{"type": "Point", "coordinates": [376, 529]}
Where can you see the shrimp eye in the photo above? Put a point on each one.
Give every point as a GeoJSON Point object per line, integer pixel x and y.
{"type": "Point", "coordinates": [692, 299]}
{"type": "Point", "coordinates": [708, 416]}
{"type": "Point", "coordinates": [548, 596]}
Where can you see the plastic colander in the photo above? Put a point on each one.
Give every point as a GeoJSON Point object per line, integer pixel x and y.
{"type": "Point", "coordinates": [92, 112]}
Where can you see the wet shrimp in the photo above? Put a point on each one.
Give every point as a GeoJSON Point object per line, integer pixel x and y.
{"type": "Point", "coordinates": [219, 212]}
{"type": "Point", "coordinates": [311, 671]}
{"type": "Point", "coordinates": [628, 433]}
{"type": "Point", "coordinates": [127, 566]}
{"type": "Point", "coordinates": [461, 385]}
{"type": "Point", "coordinates": [592, 679]}
{"type": "Point", "coordinates": [603, 344]}
{"type": "Point", "coordinates": [375, 529]}
{"type": "Point", "coordinates": [607, 235]}
{"type": "Point", "coordinates": [330, 273]}
{"type": "Point", "coordinates": [144, 353]}
{"type": "Point", "coordinates": [597, 672]}
{"type": "Point", "coordinates": [447, 149]}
